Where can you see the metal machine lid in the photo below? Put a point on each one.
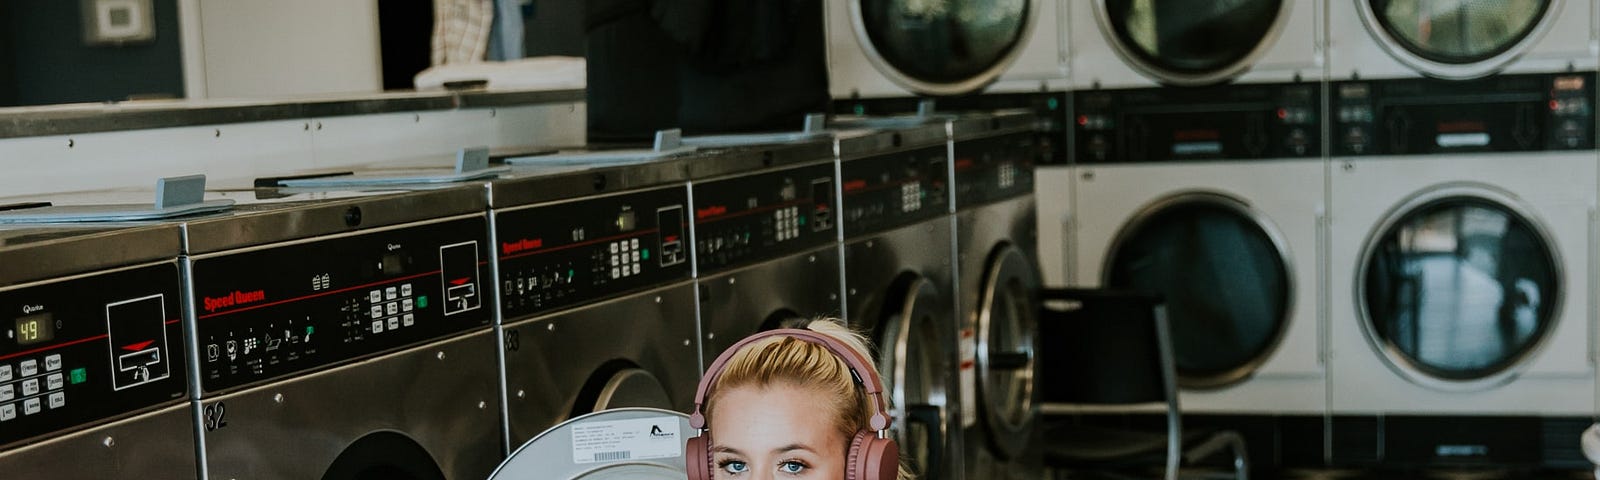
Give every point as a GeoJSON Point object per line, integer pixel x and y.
{"type": "Point", "coordinates": [470, 164]}
{"type": "Point", "coordinates": [913, 356]}
{"type": "Point", "coordinates": [942, 47]}
{"type": "Point", "coordinates": [1458, 288]}
{"type": "Point", "coordinates": [173, 197]}
{"type": "Point", "coordinates": [721, 162]}
{"type": "Point", "coordinates": [1188, 43]}
{"type": "Point", "coordinates": [1457, 39]}
{"type": "Point", "coordinates": [1226, 276]}
{"type": "Point", "coordinates": [624, 443]}
{"type": "Point", "coordinates": [968, 126]}
{"type": "Point", "coordinates": [270, 215]}
{"type": "Point", "coordinates": [40, 252]}
{"type": "Point", "coordinates": [1007, 340]}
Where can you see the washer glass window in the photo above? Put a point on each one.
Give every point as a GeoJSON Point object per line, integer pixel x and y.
{"type": "Point", "coordinates": [1459, 31]}
{"type": "Point", "coordinates": [1459, 289]}
{"type": "Point", "coordinates": [1225, 280]}
{"type": "Point", "coordinates": [1192, 38]}
{"type": "Point", "coordinates": [944, 41]}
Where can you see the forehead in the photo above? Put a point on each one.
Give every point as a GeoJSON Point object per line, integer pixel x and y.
{"type": "Point", "coordinates": [756, 420]}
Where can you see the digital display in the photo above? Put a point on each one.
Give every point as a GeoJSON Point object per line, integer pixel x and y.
{"type": "Point", "coordinates": [35, 329]}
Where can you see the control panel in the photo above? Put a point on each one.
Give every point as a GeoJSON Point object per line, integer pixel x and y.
{"type": "Point", "coordinates": [553, 256]}
{"type": "Point", "coordinates": [1500, 113]}
{"type": "Point", "coordinates": [85, 349]}
{"type": "Point", "coordinates": [762, 216]}
{"type": "Point", "coordinates": [882, 192]}
{"type": "Point", "coordinates": [1223, 122]}
{"type": "Point", "coordinates": [268, 312]}
{"type": "Point", "coordinates": [997, 168]}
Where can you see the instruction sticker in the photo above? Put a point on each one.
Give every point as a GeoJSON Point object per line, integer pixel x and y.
{"type": "Point", "coordinates": [620, 440]}
{"type": "Point", "coordinates": [969, 377]}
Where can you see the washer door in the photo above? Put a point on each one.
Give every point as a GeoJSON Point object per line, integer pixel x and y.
{"type": "Point", "coordinates": [913, 359]}
{"type": "Point", "coordinates": [626, 443]}
{"type": "Point", "coordinates": [1458, 288]}
{"type": "Point", "coordinates": [1457, 38]}
{"type": "Point", "coordinates": [942, 47]}
{"type": "Point", "coordinates": [619, 384]}
{"type": "Point", "coordinates": [1191, 43]}
{"type": "Point", "coordinates": [384, 456]}
{"type": "Point", "coordinates": [1007, 331]}
{"type": "Point", "coordinates": [1225, 275]}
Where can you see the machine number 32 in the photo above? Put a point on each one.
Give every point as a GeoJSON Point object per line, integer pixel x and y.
{"type": "Point", "coordinates": [215, 416]}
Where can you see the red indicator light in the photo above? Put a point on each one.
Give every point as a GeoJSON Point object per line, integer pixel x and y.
{"type": "Point", "coordinates": [1283, 113]}
{"type": "Point", "coordinates": [1554, 105]}
{"type": "Point", "coordinates": [1083, 120]}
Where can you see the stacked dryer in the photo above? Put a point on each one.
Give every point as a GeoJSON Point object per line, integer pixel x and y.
{"type": "Point", "coordinates": [1463, 186]}
{"type": "Point", "coordinates": [93, 372]}
{"type": "Point", "coordinates": [1196, 141]}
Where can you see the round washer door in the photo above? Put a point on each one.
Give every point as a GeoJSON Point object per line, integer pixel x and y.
{"type": "Point", "coordinates": [624, 443]}
{"type": "Point", "coordinates": [1225, 275]}
{"type": "Point", "coordinates": [1191, 43]}
{"type": "Point", "coordinates": [1457, 289]}
{"type": "Point", "coordinates": [942, 47]}
{"type": "Point", "coordinates": [1007, 331]}
{"type": "Point", "coordinates": [629, 387]}
{"type": "Point", "coordinates": [913, 349]}
{"type": "Point", "coordinates": [1459, 38]}
{"type": "Point", "coordinates": [384, 455]}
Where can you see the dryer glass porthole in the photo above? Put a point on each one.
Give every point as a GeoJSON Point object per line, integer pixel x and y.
{"type": "Point", "coordinates": [1225, 278]}
{"type": "Point", "coordinates": [1459, 289]}
{"type": "Point", "coordinates": [1459, 31]}
{"type": "Point", "coordinates": [944, 46]}
{"type": "Point", "coordinates": [1192, 42]}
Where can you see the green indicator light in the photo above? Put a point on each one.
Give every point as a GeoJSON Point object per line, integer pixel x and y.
{"type": "Point", "coordinates": [1053, 103]}
{"type": "Point", "coordinates": [571, 272]}
{"type": "Point", "coordinates": [310, 330]}
{"type": "Point", "coordinates": [79, 375]}
{"type": "Point", "coordinates": [422, 301]}
{"type": "Point", "coordinates": [802, 220]}
{"type": "Point", "coordinates": [644, 253]}
{"type": "Point", "coordinates": [861, 109]}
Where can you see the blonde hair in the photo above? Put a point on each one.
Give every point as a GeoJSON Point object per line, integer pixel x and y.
{"type": "Point", "coordinates": [798, 363]}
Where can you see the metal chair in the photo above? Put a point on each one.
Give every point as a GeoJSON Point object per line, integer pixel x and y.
{"type": "Point", "coordinates": [1111, 350]}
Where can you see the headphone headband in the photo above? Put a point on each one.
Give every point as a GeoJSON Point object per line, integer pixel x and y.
{"type": "Point", "coordinates": [859, 367]}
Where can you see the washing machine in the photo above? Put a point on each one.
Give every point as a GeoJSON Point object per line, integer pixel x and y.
{"type": "Point", "coordinates": [1462, 184]}
{"type": "Point", "coordinates": [882, 49]}
{"type": "Point", "coordinates": [996, 255]}
{"type": "Point", "coordinates": [93, 366]}
{"type": "Point", "coordinates": [634, 443]}
{"type": "Point", "coordinates": [597, 293]}
{"type": "Point", "coordinates": [898, 278]}
{"type": "Point", "coordinates": [344, 334]}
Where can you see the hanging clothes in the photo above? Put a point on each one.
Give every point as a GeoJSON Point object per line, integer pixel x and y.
{"type": "Point", "coordinates": [461, 30]}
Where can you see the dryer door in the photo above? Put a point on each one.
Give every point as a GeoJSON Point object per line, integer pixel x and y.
{"type": "Point", "coordinates": [1458, 288]}
{"type": "Point", "coordinates": [621, 384]}
{"type": "Point", "coordinates": [914, 359]}
{"type": "Point", "coordinates": [945, 47]}
{"type": "Point", "coordinates": [384, 455]}
{"type": "Point", "coordinates": [1458, 38]}
{"type": "Point", "coordinates": [1224, 272]}
{"type": "Point", "coordinates": [1007, 336]}
{"type": "Point", "coordinates": [1192, 43]}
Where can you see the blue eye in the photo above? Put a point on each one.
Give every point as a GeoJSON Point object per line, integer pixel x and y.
{"type": "Point", "coordinates": [791, 467]}
{"type": "Point", "coordinates": [734, 467]}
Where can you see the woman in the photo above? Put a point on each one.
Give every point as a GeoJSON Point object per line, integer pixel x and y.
{"type": "Point", "coordinates": [788, 404]}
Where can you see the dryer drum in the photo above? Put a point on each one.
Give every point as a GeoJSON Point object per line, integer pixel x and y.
{"type": "Point", "coordinates": [1007, 341]}
{"type": "Point", "coordinates": [1457, 39]}
{"type": "Point", "coordinates": [942, 47]}
{"type": "Point", "coordinates": [1190, 43]}
{"type": "Point", "coordinates": [1224, 273]}
{"type": "Point", "coordinates": [1459, 288]}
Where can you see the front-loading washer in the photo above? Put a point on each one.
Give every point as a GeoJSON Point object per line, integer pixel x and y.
{"type": "Point", "coordinates": [909, 48]}
{"type": "Point", "coordinates": [93, 367]}
{"type": "Point", "coordinates": [898, 279]}
{"type": "Point", "coordinates": [1463, 186]}
{"type": "Point", "coordinates": [635, 443]}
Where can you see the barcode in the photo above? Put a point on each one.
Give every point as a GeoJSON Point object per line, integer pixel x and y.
{"type": "Point", "coordinates": [609, 456]}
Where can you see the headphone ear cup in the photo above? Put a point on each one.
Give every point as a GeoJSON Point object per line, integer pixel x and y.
{"type": "Point", "coordinates": [872, 458]}
{"type": "Point", "coordinates": [697, 457]}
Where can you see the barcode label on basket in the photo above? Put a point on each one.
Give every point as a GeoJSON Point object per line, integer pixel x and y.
{"type": "Point", "coordinates": [633, 439]}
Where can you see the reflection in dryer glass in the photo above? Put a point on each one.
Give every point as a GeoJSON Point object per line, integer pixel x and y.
{"type": "Point", "coordinates": [1460, 288]}
{"type": "Point", "coordinates": [1192, 37]}
{"type": "Point", "coordinates": [944, 40]}
{"type": "Point", "coordinates": [1224, 279]}
{"type": "Point", "coordinates": [1459, 31]}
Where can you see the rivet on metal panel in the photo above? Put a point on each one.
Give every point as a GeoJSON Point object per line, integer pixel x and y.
{"type": "Point", "coordinates": [416, 118]}
{"type": "Point", "coordinates": [852, 291]}
{"type": "Point", "coordinates": [658, 299]}
{"type": "Point", "coordinates": [732, 280]}
{"type": "Point", "coordinates": [319, 125]}
{"type": "Point", "coordinates": [306, 126]}
{"type": "Point", "coordinates": [1349, 166]}
{"type": "Point", "coordinates": [441, 355]}
{"type": "Point", "coordinates": [522, 394]}
{"type": "Point", "coordinates": [687, 342]}
{"type": "Point", "coordinates": [71, 143]}
{"type": "Point", "coordinates": [109, 442]}
{"type": "Point", "coordinates": [833, 296]}
{"type": "Point", "coordinates": [493, 112]}
{"type": "Point", "coordinates": [352, 217]}
{"type": "Point", "coordinates": [812, 259]}
{"type": "Point", "coordinates": [482, 404]}
{"type": "Point", "coordinates": [869, 243]}
{"type": "Point", "coordinates": [711, 336]}
{"type": "Point", "coordinates": [277, 398]}
{"type": "Point", "coordinates": [216, 133]}
{"type": "Point", "coordinates": [550, 326]}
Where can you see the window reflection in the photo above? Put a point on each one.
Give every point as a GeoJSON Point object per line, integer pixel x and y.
{"type": "Point", "coordinates": [1459, 30]}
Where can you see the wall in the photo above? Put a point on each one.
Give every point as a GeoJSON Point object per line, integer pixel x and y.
{"type": "Point", "coordinates": [51, 64]}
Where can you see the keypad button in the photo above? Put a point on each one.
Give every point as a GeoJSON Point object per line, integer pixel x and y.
{"type": "Point", "coordinates": [377, 311]}
{"type": "Point", "coordinates": [615, 260]}
{"type": "Point", "coordinates": [58, 400]}
{"type": "Point", "coordinates": [394, 323]}
{"type": "Point", "coordinates": [633, 244]}
{"type": "Point", "coordinates": [30, 406]}
{"type": "Point", "coordinates": [635, 256]}
{"type": "Point", "coordinates": [8, 412]}
{"type": "Point", "coordinates": [375, 296]}
{"type": "Point", "coordinates": [406, 305]}
{"type": "Point", "coordinates": [55, 382]}
{"type": "Point", "coordinates": [635, 269]}
{"type": "Point", "coordinates": [30, 387]}
{"type": "Point", "coordinates": [405, 290]}
{"type": "Point", "coordinates": [5, 372]}
{"type": "Point", "coordinates": [614, 273]}
{"type": "Point", "coordinates": [614, 247]}
{"type": "Point", "coordinates": [408, 320]}
{"type": "Point", "coordinates": [7, 393]}
{"type": "Point", "coordinates": [52, 362]}
{"type": "Point", "coordinates": [391, 308]}
{"type": "Point", "coordinates": [391, 293]}
{"type": "Point", "coordinates": [377, 326]}
{"type": "Point", "coordinates": [30, 368]}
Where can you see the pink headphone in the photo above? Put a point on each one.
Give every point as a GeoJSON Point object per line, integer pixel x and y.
{"type": "Point", "coordinates": [871, 456]}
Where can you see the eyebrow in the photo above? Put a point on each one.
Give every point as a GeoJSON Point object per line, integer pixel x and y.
{"type": "Point", "coordinates": [784, 449]}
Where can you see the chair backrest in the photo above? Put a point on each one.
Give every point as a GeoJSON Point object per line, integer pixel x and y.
{"type": "Point", "coordinates": [1104, 347]}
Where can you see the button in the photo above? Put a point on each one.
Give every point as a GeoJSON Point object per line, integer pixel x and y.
{"type": "Point", "coordinates": [635, 269]}
{"type": "Point", "coordinates": [391, 293]}
{"type": "Point", "coordinates": [633, 244]}
{"type": "Point", "coordinates": [405, 290]}
{"type": "Point", "coordinates": [5, 372]}
{"type": "Point", "coordinates": [375, 296]}
{"type": "Point", "coordinates": [30, 406]}
{"type": "Point", "coordinates": [55, 382]}
{"type": "Point", "coordinates": [614, 260]}
{"type": "Point", "coordinates": [30, 368]}
{"type": "Point", "coordinates": [394, 323]}
{"type": "Point", "coordinates": [613, 248]}
{"type": "Point", "coordinates": [52, 362]}
{"type": "Point", "coordinates": [8, 411]}
{"type": "Point", "coordinates": [58, 400]}
{"type": "Point", "coordinates": [30, 387]}
{"type": "Point", "coordinates": [613, 273]}
{"type": "Point", "coordinates": [391, 308]}
{"type": "Point", "coordinates": [377, 311]}
{"type": "Point", "coordinates": [406, 305]}
{"type": "Point", "coordinates": [7, 392]}
{"type": "Point", "coordinates": [377, 326]}
{"type": "Point", "coordinates": [408, 320]}
{"type": "Point", "coordinates": [635, 256]}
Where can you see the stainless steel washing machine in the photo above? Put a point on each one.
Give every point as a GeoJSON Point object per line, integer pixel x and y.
{"type": "Point", "coordinates": [631, 443]}
{"type": "Point", "coordinates": [344, 335]}
{"type": "Point", "coordinates": [597, 293]}
{"type": "Point", "coordinates": [93, 374]}
{"type": "Point", "coordinates": [765, 233]}
{"type": "Point", "coordinates": [894, 214]}
{"type": "Point", "coordinates": [997, 264]}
